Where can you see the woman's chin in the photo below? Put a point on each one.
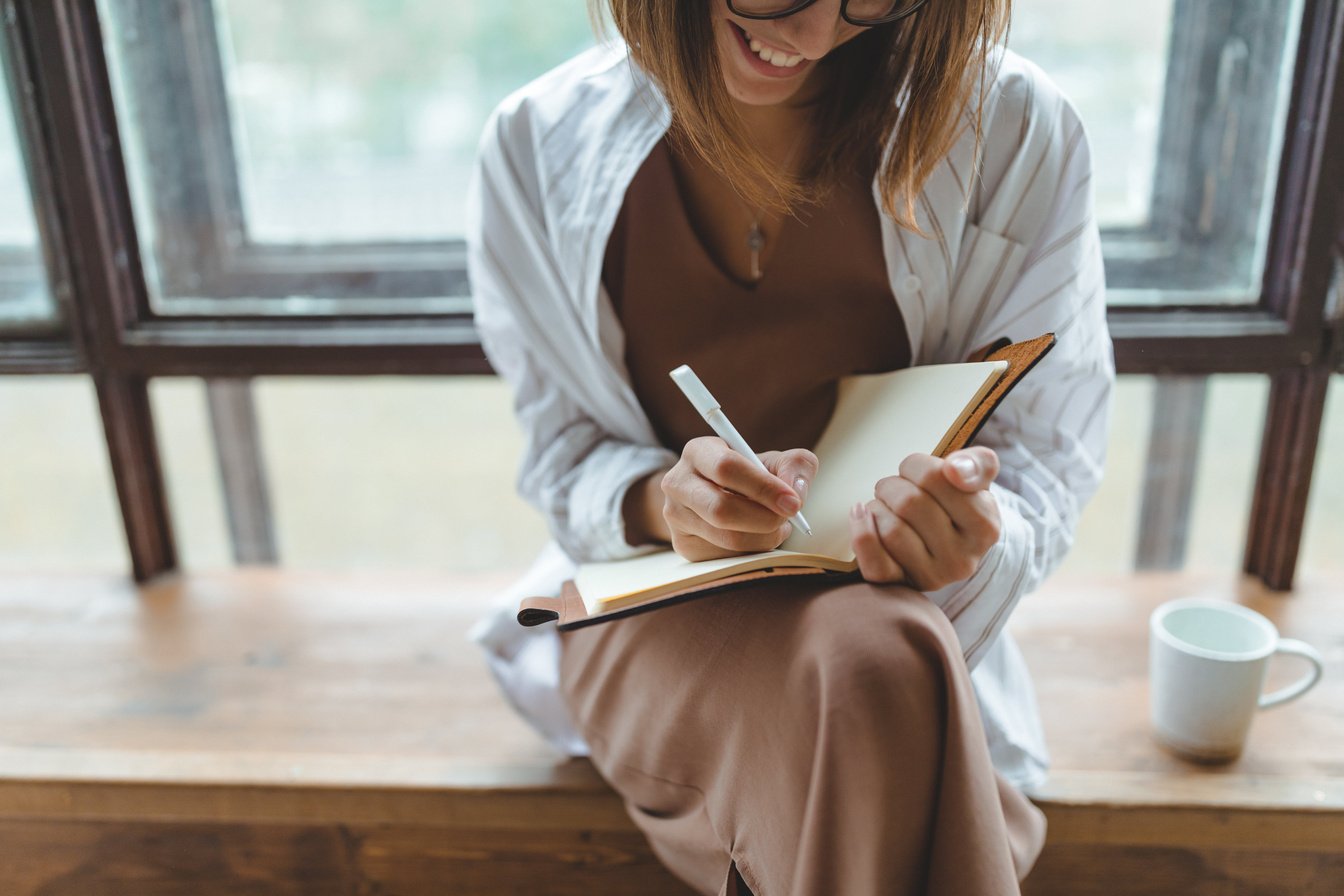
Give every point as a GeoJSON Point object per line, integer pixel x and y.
{"type": "Point", "coordinates": [760, 92]}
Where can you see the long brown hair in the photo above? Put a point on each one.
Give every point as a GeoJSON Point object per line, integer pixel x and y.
{"type": "Point", "coordinates": [920, 72]}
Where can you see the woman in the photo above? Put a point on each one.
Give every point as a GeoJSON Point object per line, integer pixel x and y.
{"type": "Point", "coordinates": [782, 193]}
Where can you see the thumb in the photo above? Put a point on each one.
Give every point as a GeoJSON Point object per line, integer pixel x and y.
{"type": "Point", "coordinates": [971, 469]}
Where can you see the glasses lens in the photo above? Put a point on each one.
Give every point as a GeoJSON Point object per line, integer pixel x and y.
{"type": "Point", "coordinates": [881, 10]}
{"type": "Point", "coordinates": [765, 8]}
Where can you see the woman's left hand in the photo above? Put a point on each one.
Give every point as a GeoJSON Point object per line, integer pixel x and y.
{"type": "Point", "coordinates": [931, 524]}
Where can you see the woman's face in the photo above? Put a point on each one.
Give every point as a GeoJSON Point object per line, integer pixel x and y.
{"type": "Point", "coordinates": [798, 41]}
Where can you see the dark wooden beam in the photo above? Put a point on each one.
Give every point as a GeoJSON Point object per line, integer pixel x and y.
{"type": "Point", "coordinates": [1299, 270]}
{"type": "Point", "coordinates": [75, 121]}
{"type": "Point", "coordinates": [1283, 481]}
{"type": "Point", "coordinates": [128, 427]}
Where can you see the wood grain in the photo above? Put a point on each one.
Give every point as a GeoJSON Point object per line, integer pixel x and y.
{"type": "Point", "coordinates": [271, 731]}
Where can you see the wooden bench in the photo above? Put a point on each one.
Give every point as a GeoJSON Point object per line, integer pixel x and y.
{"type": "Point", "coordinates": [271, 731]}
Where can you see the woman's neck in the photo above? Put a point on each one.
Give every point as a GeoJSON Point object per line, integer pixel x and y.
{"type": "Point", "coordinates": [779, 130]}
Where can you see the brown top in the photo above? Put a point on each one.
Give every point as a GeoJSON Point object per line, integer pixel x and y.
{"type": "Point", "coordinates": [771, 352]}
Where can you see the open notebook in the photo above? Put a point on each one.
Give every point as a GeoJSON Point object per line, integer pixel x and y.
{"type": "Point", "coordinates": [879, 420]}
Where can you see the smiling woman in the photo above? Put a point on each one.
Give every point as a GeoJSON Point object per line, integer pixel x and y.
{"type": "Point", "coordinates": [782, 196]}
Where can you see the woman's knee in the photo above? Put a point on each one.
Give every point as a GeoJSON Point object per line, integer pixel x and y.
{"type": "Point", "coordinates": [879, 650]}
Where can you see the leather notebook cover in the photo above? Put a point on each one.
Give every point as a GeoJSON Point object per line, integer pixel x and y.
{"type": "Point", "coordinates": [568, 609]}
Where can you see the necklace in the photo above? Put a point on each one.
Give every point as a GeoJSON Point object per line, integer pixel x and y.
{"type": "Point", "coordinates": [755, 235]}
{"type": "Point", "coordinates": [755, 243]}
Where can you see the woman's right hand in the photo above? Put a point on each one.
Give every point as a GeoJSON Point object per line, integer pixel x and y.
{"type": "Point", "coordinates": [717, 503]}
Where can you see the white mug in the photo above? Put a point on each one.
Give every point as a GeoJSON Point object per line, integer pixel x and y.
{"type": "Point", "coordinates": [1207, 661]}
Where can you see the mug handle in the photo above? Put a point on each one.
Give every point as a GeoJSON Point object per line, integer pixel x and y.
{"type": "Point", "coordinates": [1303, 684]}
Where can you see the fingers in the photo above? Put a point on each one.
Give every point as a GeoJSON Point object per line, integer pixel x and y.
{"type": "Point", "coordinates": [797, 466]}
{"type": "Point", "coordinates": [875, 563]}
{"type": "Point", "coordinates": [719, 502]}
{"type": "Point", "coordinates": [702, 508]}
{"type": "Point", "coordinates": [973, 513]}
{"type": "Point", "coordinates": [971, 469]}
{"type": "Point", "coordinates": [713, 460]}
{"type": "Point", "coordinates": [933, 529]}
{"type": "Point", "coordinates": [693, 547]}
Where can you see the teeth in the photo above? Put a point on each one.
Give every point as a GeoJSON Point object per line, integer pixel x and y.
{"type": "Point", "coordinates": [775, 57]}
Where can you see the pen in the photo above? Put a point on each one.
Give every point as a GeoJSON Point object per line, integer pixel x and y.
{"type": "Point", "coordinates": [704, 402]}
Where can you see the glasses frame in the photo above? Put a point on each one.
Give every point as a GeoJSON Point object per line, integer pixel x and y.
{"type": "Point", "coordinates": [844, 13]}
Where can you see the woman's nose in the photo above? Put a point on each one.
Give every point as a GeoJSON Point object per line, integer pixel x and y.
{"type": "Point", "coordinates": [815, 31]}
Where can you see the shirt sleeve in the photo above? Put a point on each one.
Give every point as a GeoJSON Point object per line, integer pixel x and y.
{"type": "Point", "coordinates": [573, 469]}
{"type": "Point", "coordinates": [1050, 433]}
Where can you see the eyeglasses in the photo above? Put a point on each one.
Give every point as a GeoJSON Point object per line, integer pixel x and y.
{"type": "Point", "coordinates": [863, 13]}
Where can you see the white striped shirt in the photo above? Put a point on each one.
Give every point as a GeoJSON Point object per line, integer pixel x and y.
{"type": "Point", "coordinates": [1018, 257]}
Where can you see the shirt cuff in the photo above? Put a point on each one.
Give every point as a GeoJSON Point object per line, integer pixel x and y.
{"type": "Point", "coordinates": [598, 499]}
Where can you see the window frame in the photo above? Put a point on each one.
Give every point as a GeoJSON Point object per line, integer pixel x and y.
{"type": "Point", "coordinates": [94, 262]}
{"type": "Point", "coordinates": [211, 262]}
{"type": "Point", "coordinates": [43, 344]}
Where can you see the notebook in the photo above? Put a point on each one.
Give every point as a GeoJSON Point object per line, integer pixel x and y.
{"type": "Point", "coordinates": [879, 420]}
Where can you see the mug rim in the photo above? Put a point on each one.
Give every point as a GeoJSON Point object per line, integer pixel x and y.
{"type": "Point", "coordinates": [1160, 631]}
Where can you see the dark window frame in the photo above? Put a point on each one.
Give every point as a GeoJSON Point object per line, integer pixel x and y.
{"type": "Point", "coordinates": [209, 257]}
{"type": "Point", "coordinates": [206, 257]}
{"type": "Point", "coordinates": [94, 263]}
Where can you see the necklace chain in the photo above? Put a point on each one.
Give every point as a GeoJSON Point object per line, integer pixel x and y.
{"type": "Point", "coordinates": [755, 235]}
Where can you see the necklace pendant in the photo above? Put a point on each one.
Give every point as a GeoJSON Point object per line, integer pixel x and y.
{"type": "Point", "coordinates": [755, 243]}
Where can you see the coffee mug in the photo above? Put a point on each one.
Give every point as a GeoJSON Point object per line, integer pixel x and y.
{"type": "Point", "coordinates": [1207, 661]}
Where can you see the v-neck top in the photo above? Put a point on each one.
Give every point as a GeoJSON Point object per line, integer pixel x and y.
{"type": "Point", "coordinates": [772, 352]}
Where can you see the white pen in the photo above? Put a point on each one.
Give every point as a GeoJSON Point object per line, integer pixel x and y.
{"type": "Point", "coordinates": [704, 402]}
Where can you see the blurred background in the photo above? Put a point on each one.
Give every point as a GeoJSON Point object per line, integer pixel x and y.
{"type": "Point", "coordinates": [354, 123]}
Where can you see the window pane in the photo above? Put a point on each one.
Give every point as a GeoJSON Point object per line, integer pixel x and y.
{"type": "Point", "coordinates": [1229, 448]}
{"type": "Point", "coordinates": [390, 471]}
{"type": "Point", "coordinates": [312, 152]}
{"type": "Point", "coordinates": [1185, 103]}
{"type": "Point", "coordinates": [359, 120]}
{"type": "Point", "coordinates": [1322, 559]}
{"type": "Point", "coordinates": [371, 472]}
{"type": "Point", "coordinates": [311, 158]}
{"type": "Point", "coordinates": [1107, 533]}
{"type": "Point", "coordinates": [58, 505]}
{"type": "Point", "coordinates": [24, 296]}
{"type": "Point", "coordinates": [1112, 63]}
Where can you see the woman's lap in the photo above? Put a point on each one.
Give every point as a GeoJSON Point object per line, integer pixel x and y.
{"type": "Point", "coordinates": [732, 725]}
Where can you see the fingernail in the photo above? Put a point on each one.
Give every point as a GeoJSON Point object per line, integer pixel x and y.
{"type": "Point", "coordinates": [966, 467]}
{"type": "Point", "coordinates": [787, 529]}
{"type": "Point", "coordinates": [800, 486]}
{"type": "Point", "coordinates": [857, 510]}
{"type": "Point", "coordinates": [789, 504]}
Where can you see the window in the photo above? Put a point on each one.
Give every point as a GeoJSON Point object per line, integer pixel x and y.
{"type": "Point", "coordinates": [24, 297]}
{"type": "Point", "coordinates": [310, 158]}
{"type": "Point", "coordinates": [254, 189]}
{"type": "Point", "coordinates": [1185, 103]}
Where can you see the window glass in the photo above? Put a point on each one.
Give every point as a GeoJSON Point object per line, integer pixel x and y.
{"type": "Point", "coordinates": [24, 296]}
{"type": "Point", "coordinates": [300, 153]}
{"type": "Point", "coordinates": [1184, 105]}
{"type": "Point", "coordinates": [359, 120]}
{"type": "Point", "coordinates": [1229, 450]}
{"type": "Point", "coordinates": [1322, 558]}
{"type": "Point", "coordinates": [392, 471]}
{"type": "Point", "coordinates": [58, 503]}
{"type": "Point", "coordinates": [1112, 63]}
{"type": "Point", "coordinates": [1107, 534]}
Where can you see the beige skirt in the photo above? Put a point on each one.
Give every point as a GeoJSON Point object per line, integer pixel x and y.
{"type": "Point", "coordinates": [813, 737]}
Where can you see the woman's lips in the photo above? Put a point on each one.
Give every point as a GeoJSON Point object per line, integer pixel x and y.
{"type": "Point", "coordinates": [759, 65]}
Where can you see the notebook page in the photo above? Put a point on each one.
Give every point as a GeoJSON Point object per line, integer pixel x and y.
{"type": "Point", "coordinates": [879, 420]}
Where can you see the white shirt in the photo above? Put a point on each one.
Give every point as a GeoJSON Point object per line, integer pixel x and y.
{"type": "Point", "coordinates": [1021, 256]}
